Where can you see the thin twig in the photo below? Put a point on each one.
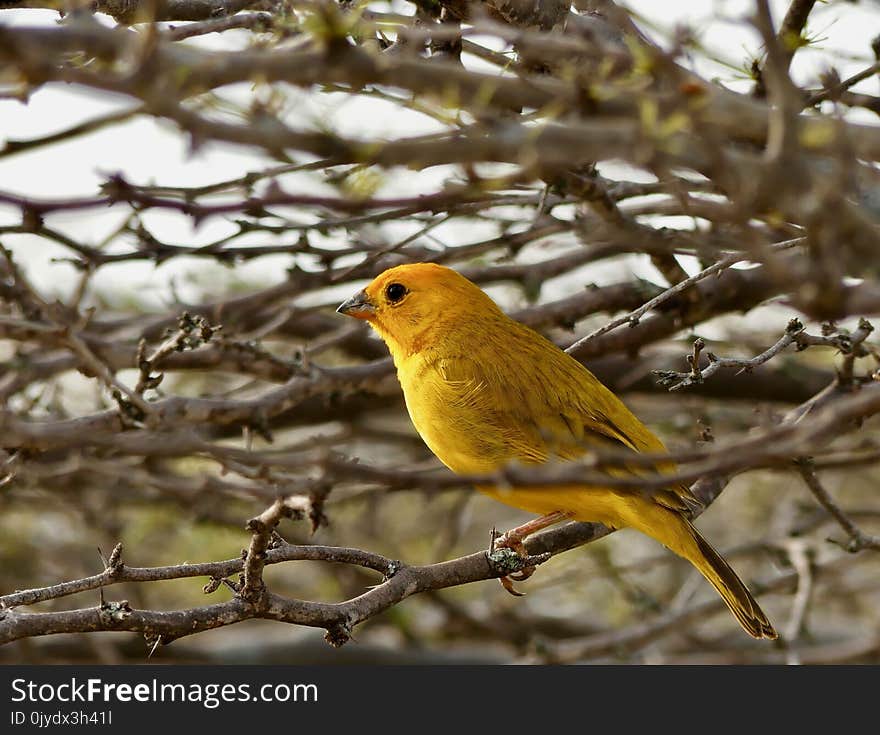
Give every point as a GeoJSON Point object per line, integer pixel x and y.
{"type": "Point", "coordinates": [795, 334]}
{"type": "Point", "coordinates": [633, 317]}
{"type": "Point", "coordinates": [858, 540]}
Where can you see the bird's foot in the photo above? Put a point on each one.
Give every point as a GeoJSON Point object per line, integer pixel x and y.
{"type": "Point", "coordinates": [513, 542]}
{"type": "Point", "coordinates": [507, 583]}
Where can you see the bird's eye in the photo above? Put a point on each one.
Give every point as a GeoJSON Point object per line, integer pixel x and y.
{"type": "Point", "coordinates": [395, 292]}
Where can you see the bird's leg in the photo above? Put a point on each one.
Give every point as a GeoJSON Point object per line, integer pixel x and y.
{"type": "Point", "coordinates": [513, 540]}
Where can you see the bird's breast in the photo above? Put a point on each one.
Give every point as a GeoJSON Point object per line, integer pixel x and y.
{"type": "Point", "coordinates": [450, 422]}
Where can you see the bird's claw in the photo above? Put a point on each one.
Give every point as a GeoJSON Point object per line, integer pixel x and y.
{"type": "Point", "coordinates": [515, 544]}
{"type": "Point", "coordinates": [507, 583]}
{"type": "Point", "coordinates": [523, 574]}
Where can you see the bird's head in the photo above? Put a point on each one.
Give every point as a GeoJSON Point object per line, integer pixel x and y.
{"type": "Point", "coordinates": [410, 305]}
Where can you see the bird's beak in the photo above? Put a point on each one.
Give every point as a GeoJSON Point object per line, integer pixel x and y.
{"type": "Point", "coordinates": [359, 306]}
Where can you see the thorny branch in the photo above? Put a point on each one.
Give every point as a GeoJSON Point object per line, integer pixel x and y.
{"type": "Point", "coordinates": [858, 539]}
{"type": "Point", "coordinates": [795, 334]}
{"type": "Point", "coordinates": [252, 599]}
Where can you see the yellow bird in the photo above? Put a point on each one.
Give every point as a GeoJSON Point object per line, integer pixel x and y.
{"type": "Point", "coordinates": [484, 391]}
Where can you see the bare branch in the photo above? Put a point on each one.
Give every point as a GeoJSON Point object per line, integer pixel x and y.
{"type": "Point", "coordinates": [858, 540]}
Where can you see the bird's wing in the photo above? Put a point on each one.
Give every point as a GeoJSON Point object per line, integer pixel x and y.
{"type": "Point", "coordinates": [560, 410]}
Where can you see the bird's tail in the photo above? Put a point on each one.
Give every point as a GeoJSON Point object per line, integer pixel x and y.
{"type": "Point", "coordinates": [731, 588]}
{"type": "Point", "coordinates": [678, 534]}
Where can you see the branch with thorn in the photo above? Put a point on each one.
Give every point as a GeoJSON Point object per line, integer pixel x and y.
{"type": "Point", "coordinates": [192, 331]}
{"type": "Point", "coordinates": [858, 539]}
{"type": "Point", "coordinates": [850, 345]}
